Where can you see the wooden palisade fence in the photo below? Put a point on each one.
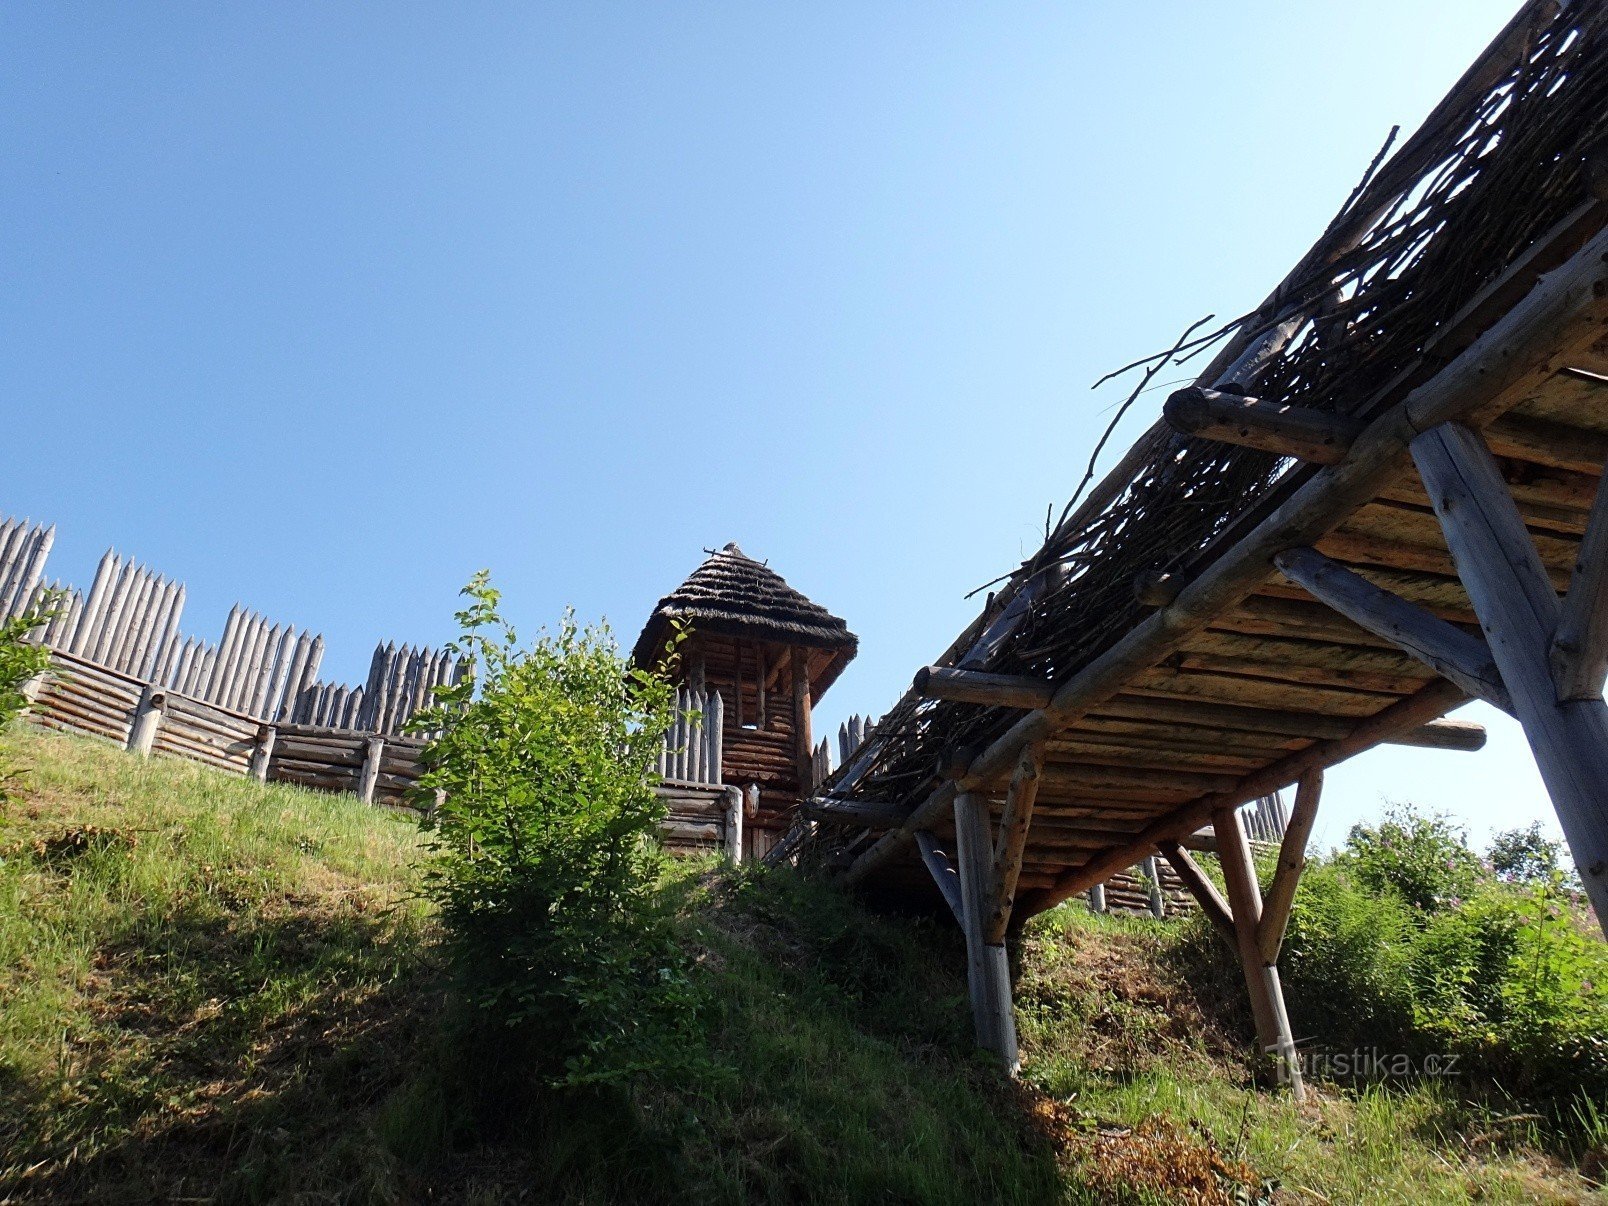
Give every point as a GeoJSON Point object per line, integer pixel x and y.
{"type": "Point", "coordinates": [252, 703]}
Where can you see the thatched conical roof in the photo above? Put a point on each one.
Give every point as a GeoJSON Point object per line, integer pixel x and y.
{"type": "Point", "coordinates": [731, 594]}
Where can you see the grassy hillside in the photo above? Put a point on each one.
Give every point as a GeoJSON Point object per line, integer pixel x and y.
{"type": "Point", "coordinates": [216, 991]}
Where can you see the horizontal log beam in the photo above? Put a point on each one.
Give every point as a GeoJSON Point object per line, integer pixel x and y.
{"type": "Point", "coordinates": [1446, 649]}
{"type": "Point", "coordinates": [1462, 735]}
{"type": "Point", "coordinates": [1306, 435]}
{"type": "Point", "coordinates": [976, 687]}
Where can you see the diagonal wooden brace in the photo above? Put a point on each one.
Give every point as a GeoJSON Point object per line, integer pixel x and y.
{"type": "Point", "coordinates": [1445, 648]}
{"type": "Point", "coordinates": [1013, 829]}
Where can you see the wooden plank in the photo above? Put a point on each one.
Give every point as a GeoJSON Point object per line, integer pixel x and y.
{"type": "Point", "coordinates": [1242, 691]}
{"type": "Point", "coordinates": [1140, 753]}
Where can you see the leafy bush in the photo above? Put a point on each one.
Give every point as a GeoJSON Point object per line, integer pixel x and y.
{"type": "Point", "coordinates": [1525, 856]}
{"type": "Point", "coordinates": [1423, 859]}
{"type": "Point", "coordinates": [20, 660]}
{"type": "Point", "coordinates": [544, 854]}
{"type": "Point", "coordinates": [1403, 942]}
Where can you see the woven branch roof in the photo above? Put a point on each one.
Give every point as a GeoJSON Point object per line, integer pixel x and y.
{"type": "Point", "coordinates": [731, 594]}
{"type": "Point", "coordinates": [1499, 163]}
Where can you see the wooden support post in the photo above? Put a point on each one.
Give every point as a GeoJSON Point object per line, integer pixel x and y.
{"type": "Point", "coordinates": [1308, 435]}
{"type": "Point", "coordinates": [761, 703]}
{"type": "Point", "coordinates": [1292, 860]}
{"type": "Point", "coordinates": [1580, 649]}
{"type": "Point", "coordinates": [803, 740]}
{"type": "Point", "coordinates": [260, 757]}
{"type": "Point", "coordinates": [734, 824]}
{"type": "Point", "coordinates": [1289, 1060]}
{"type": "Point", "coordinates": [1158, 902]}
{"type": "Point", "coordinates": [371, 769]}
{"type": "Point", "coordinates": [1202, 889]}
{"type": "Point", "coordinates": [1519, 612]}
{"type": "Point", "coordinates": [1013, 828]}
{"type": "Point", "coordinates": [1245, 900]}
{"type": "Point", "coordinates": [1097, 902]}
{"type": "Point", "coordinates": [988, 973]}
{"type": "Point", "coordinates": [147, 721]}
{"type": "Point", "coordinates": [1446, 649]}
{"type": "Point", "coordinates": [943, 874]}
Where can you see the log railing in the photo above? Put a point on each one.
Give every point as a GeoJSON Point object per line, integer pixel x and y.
{"type": "Point", "coordinates": [693, 745]}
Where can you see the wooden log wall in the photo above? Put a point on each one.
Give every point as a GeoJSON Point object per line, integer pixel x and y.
{"type": "Point", "coordinates": [81, 696]}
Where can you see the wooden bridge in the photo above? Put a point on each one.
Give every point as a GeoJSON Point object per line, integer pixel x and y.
{"type": "Point", "coordinates": [1377, 502]}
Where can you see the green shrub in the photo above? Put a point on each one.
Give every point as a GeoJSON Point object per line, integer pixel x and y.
{"type": "Point", "coordinates": [1402, 942]}
{"type": "Point", "coordinates": [20, 660]}
{"type": "Point", "coordinates": [1424, 859]}
{"type": "Point", "coordinates": [544, 855]}
{"type": "Point", "coordinates": [1525, 856]}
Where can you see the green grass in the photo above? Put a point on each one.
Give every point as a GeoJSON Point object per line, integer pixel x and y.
{"type": "Point", "coordinates": [212, 990]}
{"type": "Point", "coordinates": [204, 983]}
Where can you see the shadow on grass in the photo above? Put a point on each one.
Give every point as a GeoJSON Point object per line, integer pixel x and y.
{"type": "Point", "coordinates": [235, 1057]}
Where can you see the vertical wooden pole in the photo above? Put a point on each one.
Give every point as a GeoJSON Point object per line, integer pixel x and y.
{"type": "Point", "coordinates": [1519, 613]}
{"type": "Point", "coordinates": [1261, 979]}
{"type": "Point", "coordinates": [263, 754]}
{"type": "Point", "coordinates": [147, 720]}
{"type": "Point", "coordinates": [371, 769]}
{"type": "Point", "coordinates": [1097, 898]}
{"type": "Point", "coordinates": [715, 720]}
{"type": "Point", "coordinates": [803, 742]}
{"type": "Point", "coordinates": [760, 671]}
{"type": "Point", "coordinates": [1158, 902]}
{"type": "Point", "coordinates": [987, 971]}
{"type": "Point", "coordinates": [734, 824]}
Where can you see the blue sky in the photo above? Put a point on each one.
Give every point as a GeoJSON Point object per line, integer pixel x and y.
{"type": "Point", "coordinates": [322, 307]}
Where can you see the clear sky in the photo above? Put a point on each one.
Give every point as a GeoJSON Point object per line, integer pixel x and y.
{"type": "Point", "coordinates": [321, 307]}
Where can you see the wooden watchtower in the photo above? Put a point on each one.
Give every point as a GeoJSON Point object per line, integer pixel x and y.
{"type": "Point", "coordinates": [769, 653]}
